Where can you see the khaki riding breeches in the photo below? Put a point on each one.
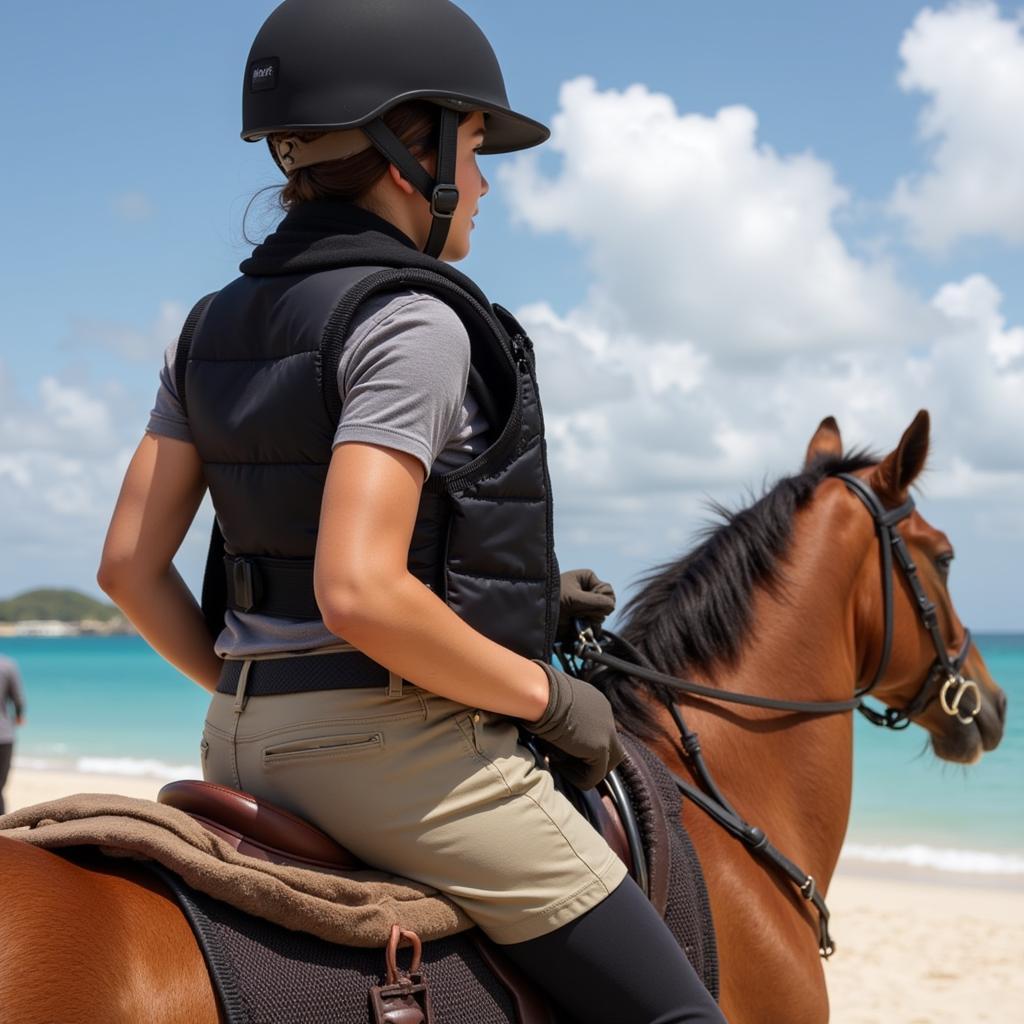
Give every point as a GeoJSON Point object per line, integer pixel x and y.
{"type": "Point", "coordinates": [423, 787]}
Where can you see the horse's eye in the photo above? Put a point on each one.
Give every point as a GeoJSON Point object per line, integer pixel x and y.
{"type": "Point", "coordinates": [944, 561]}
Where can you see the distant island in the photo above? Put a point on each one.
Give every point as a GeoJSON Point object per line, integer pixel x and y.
{"type": "Point", "coordinates": [57, 612]}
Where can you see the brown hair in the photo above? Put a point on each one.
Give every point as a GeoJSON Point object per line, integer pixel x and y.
{"type": "Point", "coordinates": [415, 123]}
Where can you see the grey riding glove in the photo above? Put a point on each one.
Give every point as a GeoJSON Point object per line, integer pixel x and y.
{"type": "Point", "coordinates": [583, 596]}
{"type": "Point", "coordinates": [579, 724]}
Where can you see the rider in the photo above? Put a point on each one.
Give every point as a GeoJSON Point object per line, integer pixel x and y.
{"type": "Point", "coordinates": [369, 429]}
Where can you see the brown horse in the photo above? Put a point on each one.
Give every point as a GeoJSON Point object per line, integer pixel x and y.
{"type": "Point", "coordinates": [786, 599]}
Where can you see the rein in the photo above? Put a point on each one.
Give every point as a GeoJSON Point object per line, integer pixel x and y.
{"type": "Point", "coordinates": [710, 799]}
{"type": "Point", "coordinates": [591, 650]}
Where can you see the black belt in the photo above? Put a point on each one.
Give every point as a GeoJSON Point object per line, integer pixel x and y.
{"type": "Point", "coordinates": [347, 670]}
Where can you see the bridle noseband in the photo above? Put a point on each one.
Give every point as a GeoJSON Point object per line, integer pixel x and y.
{"type": "Point", "coordinates": [954, 687]}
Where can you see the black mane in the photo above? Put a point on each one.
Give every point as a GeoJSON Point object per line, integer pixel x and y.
{"type": "Point", "coordinates": [693, 614]}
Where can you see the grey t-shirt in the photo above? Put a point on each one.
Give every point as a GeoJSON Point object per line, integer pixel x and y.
{"type": "Point", "coordinates": [12, 697]}
{"type": "Point", "coordinates": [402, 380]}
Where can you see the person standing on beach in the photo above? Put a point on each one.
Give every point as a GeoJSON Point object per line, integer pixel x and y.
{"type": "Point", "coordinates": [12, 697]}
{"type": "Point", "coordinates": [382, 586]}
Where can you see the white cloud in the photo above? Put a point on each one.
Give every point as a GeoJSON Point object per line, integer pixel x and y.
{"type": "Point", "coordinates": [726, 318]}
{"type": "Point", "coordinates": [63, 418]}
{"type": "Point", "coordinates": [61, 457]}
{"type": "Point", "coordinates": [71, 409]}
{"type": "Point", "coordinates": [972, 305]}
{"type": "Point", "coordinates": [65, 444]}
{"type": "Point", "coordinates": [693, 224]}
{"type": "Point", "coordinates": [642, 453]}
{"type": "Point", "coordinates": [969, 62]}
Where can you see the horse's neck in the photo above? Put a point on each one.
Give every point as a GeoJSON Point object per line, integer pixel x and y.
{"type": "Point", "coordinates": [789, 774]}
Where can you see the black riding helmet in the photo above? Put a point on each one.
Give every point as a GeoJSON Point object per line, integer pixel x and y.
{"type": "Point", "coordinates": [333, 65]}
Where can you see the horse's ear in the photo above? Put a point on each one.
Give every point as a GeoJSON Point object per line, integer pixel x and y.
{"type": "Point", "coordinates": [892, 477]}
{"type": "Point", "coordinates": [825, 444]}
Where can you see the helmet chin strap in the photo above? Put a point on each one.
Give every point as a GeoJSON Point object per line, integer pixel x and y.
{"type": "Point", "coordinates": [441, 193]}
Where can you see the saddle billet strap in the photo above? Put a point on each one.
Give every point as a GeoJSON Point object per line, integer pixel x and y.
{"type": "Point", "coordinates": [347, 670]}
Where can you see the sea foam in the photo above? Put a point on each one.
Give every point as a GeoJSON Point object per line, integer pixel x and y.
{"type": "Point", "coordinates": [143, 768]}
{"type": "Point", "coordinates": [131, 767]}
{"type": "Point", "coordinates": [975, 862]}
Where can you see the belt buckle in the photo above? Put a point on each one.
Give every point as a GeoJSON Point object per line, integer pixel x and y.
{"type": "Point", "coordinates": [243, 584]}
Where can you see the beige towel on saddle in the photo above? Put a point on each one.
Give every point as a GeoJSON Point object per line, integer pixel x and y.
{"type": "Point", "coordinates": [354, 908]}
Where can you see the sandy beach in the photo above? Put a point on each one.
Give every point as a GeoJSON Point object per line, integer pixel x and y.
{"type": "Point", "coordinates": [925, 952]}
{"type": "Point", "coordinates": [911, 950]}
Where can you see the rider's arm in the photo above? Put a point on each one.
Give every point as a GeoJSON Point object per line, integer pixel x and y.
{"type": "Point", "coordinates": [159, 498]}
{"type": "Point", "coordinates": [368, 596]}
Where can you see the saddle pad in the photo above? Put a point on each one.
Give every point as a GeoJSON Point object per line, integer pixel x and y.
{"type": "Point", "coordinates": [659, 810]}
{"type": "Point", "coordinates": [265, 974]}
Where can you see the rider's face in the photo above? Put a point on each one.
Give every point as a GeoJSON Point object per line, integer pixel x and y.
{"type": "Point", "coordinates": [472, 187]}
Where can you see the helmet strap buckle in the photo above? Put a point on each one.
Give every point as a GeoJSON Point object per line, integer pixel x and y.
{"type": "Point", "coordinates": [443, 201]}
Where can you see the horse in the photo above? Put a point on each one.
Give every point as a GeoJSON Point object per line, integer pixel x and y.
{"type": "Point", "coordinates": [792, 606]}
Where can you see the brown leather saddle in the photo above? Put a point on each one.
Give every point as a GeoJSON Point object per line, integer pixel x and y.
{"type": "Point", "coordinates": [258, 828]}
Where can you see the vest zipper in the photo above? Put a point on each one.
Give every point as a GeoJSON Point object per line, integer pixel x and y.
{"type": "Point", "coordinates": [525, 346]}
{"type": "Point", "coordinates": [519, 343]}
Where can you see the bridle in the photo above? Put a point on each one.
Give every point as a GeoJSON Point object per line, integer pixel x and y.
{"type": "Point", "coordinates": [945, 671]}
{"type": "Point", "coordinates": [944, 680]}
{"type": "Point", "coordinates": [954, 687]}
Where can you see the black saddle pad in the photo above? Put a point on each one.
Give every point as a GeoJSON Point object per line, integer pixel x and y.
{"type": "Point", "coordinates": [266, 974]}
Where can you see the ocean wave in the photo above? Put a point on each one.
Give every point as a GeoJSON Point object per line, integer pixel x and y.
{"type": "Point", "coordinates": [40, 764]}
{"type": "Point", "coordinates": [131, 767]}
{"type": "Point", "coordinates": [917, 855]}
{"type": "Point", "coordinates": [146, 768]}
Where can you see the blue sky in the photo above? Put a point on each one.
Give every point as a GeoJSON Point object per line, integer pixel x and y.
{"type": "Point", "coordinates": [126, 185]}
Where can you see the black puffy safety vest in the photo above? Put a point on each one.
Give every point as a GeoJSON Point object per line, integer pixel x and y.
{"type": "Point", "coordinates": [257, 375]}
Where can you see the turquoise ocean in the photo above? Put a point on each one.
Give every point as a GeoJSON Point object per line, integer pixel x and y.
{"type": "Point", "coordinates": [110, 705]}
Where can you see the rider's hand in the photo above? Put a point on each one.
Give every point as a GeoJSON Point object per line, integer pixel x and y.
{"type": "Point", "coordinates": [579, 724]}
{"type": "Point", "coordinates": [583, 596]}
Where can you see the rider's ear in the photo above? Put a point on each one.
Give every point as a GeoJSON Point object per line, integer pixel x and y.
{"type": "Point", "coordinates": [893, 476]}
{"type": "Point", "coordinates": [396, 177]}
{"type": "Point", "coordinates": [826, 443]}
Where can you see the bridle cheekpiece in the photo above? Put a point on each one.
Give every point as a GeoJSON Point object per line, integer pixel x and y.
{"type": "Point", "coordinates": [953, 687]}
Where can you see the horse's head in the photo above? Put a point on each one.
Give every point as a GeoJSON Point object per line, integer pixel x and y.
{"type": "Point", "coordinates": [916, 655]}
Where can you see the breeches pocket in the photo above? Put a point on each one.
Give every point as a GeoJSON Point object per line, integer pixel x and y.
{"type": "Point", "coordinates": [322, 749]}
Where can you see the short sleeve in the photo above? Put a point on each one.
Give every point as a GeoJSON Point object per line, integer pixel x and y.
{"type": "Point", "coordinates": [403, 374]}
{"type": "Point", "coordinates": [167, 417]}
